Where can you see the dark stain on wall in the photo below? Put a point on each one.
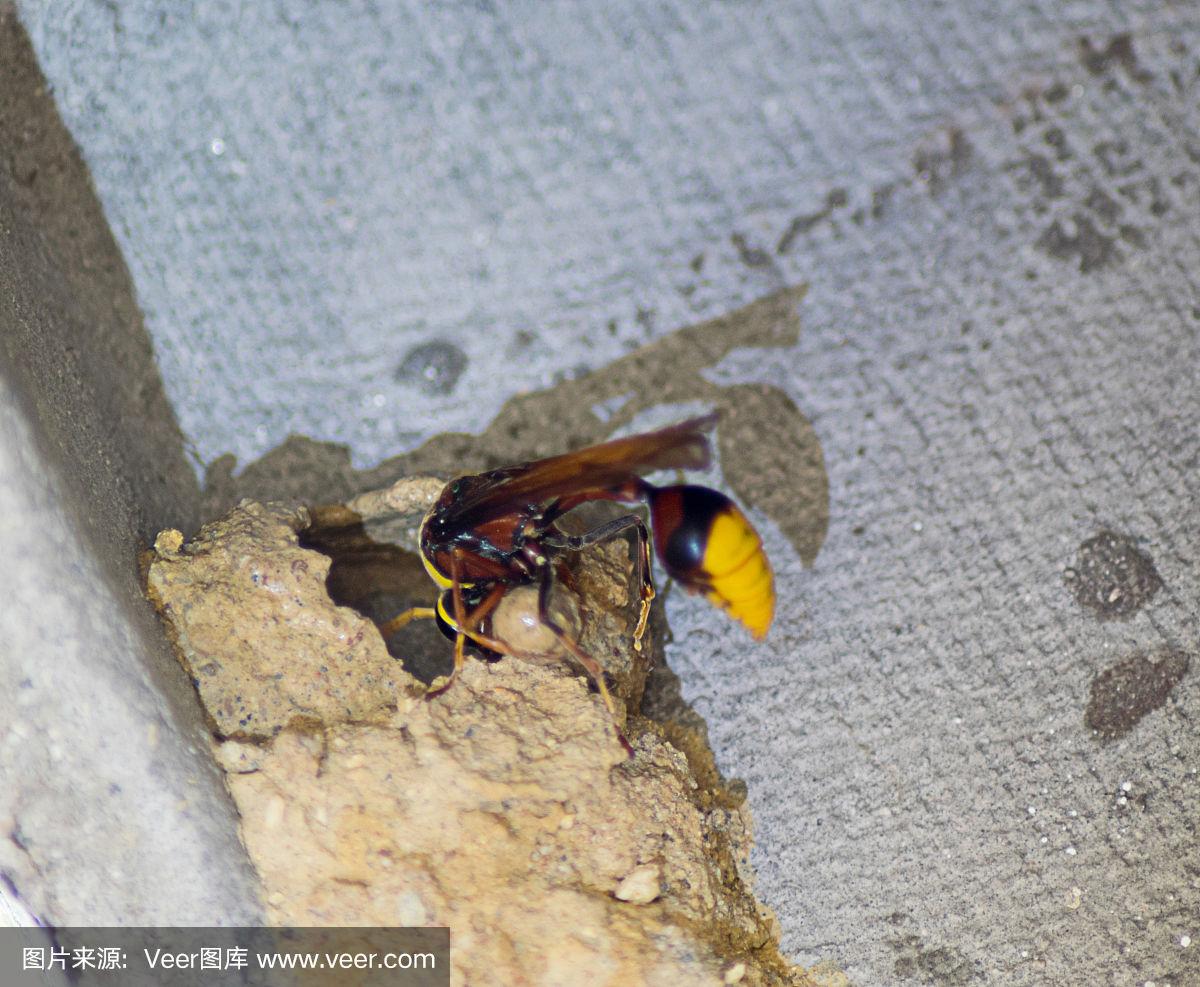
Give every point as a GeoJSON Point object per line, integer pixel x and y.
{"type": "Point", "coordinates": [1112, 577]}
{"type": "Point", "coordinates": [1124, 693]}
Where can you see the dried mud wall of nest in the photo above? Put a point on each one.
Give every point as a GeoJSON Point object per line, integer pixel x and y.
{"type": "Point", "coordinates": [505, 807]}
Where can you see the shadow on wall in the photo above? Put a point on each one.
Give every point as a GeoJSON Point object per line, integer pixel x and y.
{"type": "Point", "coordinates": [72, 341]}
{"type": "Point", "coordinates": [770, 454]}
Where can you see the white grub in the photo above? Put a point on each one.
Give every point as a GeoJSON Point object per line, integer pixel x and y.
{"type": "Point", "coordinates": [516, 622]}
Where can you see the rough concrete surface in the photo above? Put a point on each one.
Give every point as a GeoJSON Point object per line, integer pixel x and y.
{"type": "Point", "coordinates": [110, 810]}
{"type": "Point", "coordinates": [369, 224]}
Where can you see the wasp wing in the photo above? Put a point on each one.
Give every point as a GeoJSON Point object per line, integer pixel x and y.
{"type": "Point", "coordinates": [596, 468]}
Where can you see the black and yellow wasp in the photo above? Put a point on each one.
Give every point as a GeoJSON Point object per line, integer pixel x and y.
{"type": "Point", "coordinates": [489, 532]}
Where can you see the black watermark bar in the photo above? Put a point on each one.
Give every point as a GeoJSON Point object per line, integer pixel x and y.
{"type": "Point", "coordinates": [224, 957]}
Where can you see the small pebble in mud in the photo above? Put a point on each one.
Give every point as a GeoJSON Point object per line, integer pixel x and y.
{"type": "Point", "coordinates": [1112, 577]}
{"type": "Point", "coordinates": [735, 974]}
{"type": "Point", "coordinates": [1125, 692]}
{"type": "Point", "coordinates": [433, 367]}
{"type": "Point", "coordinates": [641, 886]}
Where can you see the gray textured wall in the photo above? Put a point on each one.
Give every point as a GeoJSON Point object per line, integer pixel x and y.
{"type": "Point", "coordinates": [995, 206]}
{"type": "Point", "coordinates": [111, 810]}
{"type": "Point", "coordinates": [391, 175]}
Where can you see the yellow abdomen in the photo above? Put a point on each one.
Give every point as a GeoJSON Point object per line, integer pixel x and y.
{"type": "Point", "coordinates": [737, 571]}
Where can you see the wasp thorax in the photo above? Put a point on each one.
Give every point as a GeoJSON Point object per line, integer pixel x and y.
{"type": "Point", "coordinates": [516, 622]}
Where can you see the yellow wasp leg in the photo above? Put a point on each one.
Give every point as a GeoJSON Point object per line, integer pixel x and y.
{"type": "Point", "coordinates": [409, 615]}
{"type": "Point", "coordinates": [610, 530]}
{"type": "Point", "coordinates": [464, 622]}
{"type": "Point", "coordinates": [460, 621]}
{"type": "Point", "coordinates": [647, 587]}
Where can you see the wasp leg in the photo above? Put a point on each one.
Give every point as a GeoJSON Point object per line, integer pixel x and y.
{"type": "Point", "coordinates": [475, 618]}
{"type": "Point", "coordinates": [459, 623]}
{"type": "Point", "coordinates": [409, 615]}
{"type": "Point", "coordinates": [606, 532]}
{"type": "Point", "coordinates": [590, 665]}
{"type": "Point", "coordinates": [464, 622]}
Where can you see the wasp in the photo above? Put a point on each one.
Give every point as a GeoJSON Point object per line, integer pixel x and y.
{"type": "Point", "coordinates": [489, 533]}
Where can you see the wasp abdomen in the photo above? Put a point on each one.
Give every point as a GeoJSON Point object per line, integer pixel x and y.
{"type": "Point", "coordinates": [707, 544]}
